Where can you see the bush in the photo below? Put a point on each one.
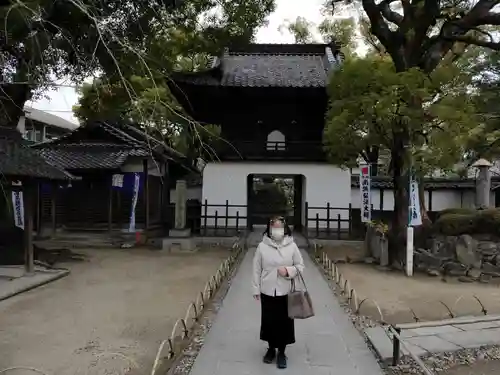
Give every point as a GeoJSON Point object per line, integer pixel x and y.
{"type": "Point", "coordinates": [455, 222]}
{"type": "Point", "coordinates": [457, 211]}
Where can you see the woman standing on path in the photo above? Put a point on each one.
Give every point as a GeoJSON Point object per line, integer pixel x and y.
{"type": "Point", "coordinates": [276, 262]}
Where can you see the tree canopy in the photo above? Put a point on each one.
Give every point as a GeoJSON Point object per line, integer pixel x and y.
{"type": "Point", "coordinates": [43, 40]}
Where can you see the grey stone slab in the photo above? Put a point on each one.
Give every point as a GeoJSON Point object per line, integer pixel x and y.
{"type": "Point", "coordinates": [380, 341]}
{"type": "Point", "coordinates": [429, 331]}
{"type": "Point", "coordinates": [474, 339]}
{"type": "Point", "coordinates": [384, 347]}
{"type": "Point", "coordinates": [477, 326]}
{"type": "Point", "coordinates": [232, 345]}
{"type": "Point", "coordinates": [433, 344]}
{"type": "Point", "coordinates": [325, 350]}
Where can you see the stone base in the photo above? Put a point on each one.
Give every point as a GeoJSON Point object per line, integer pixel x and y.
{"type": "Point", "coordinates": [179, 243]}
{"type": "Point", "coordinates": [180, 233]}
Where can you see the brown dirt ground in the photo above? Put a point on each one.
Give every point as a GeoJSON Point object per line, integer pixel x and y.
{"type": "Point", "coordinates": [396, 294]}
{"type": "Point", "coordinates": [119, 301]}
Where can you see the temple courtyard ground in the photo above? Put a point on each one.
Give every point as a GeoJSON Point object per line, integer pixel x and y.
{"type": "Point", "coordinates": [396, 293]}
{"type": "Point", "coordinates": [108, 315]}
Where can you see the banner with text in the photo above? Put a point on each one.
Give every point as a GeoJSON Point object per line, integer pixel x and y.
{"type": "Point", "coordinates": [131, 228]}
{"type": "Point", "coordinates": [18, 205]}
{"type": "Point", "coordinates": [414, 209]}
{"type": "Point", "coordinates": [364, 188]}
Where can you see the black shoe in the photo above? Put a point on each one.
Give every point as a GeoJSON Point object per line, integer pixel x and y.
{"type": "Point", "coordinates": [270, 355]}
{"type": "Point", "coordinates": [281, 360]}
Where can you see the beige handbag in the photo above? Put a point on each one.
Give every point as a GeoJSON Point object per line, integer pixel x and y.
{"type": "Point", "coordinates": [299, 301]}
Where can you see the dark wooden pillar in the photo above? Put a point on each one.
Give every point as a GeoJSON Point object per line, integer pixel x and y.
{"type": "Point", "coordinates": [110, 205]}
{"type": "Point", "coordinates": [29, 193]}
{"type": "Point", "coordinates": [53, 195]}
{"type": "Point", "coordinates": [249, 202]}
{"type": "Point", "coordinates": [145, 192]}
{"type": "Point", "coordinates": [165, 208]}
{"type": "Point", "coordinates": [430, 201]}
{"type": "Point", "coordinates": [38, 209]}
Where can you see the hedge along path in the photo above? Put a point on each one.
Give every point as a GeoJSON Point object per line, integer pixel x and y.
{"type": "Point", "coordinates": [332, 270]}
{"type": "Point", "coordinates": [182, 328]}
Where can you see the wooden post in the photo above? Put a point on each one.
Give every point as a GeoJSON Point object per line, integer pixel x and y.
{"type": "Point", "coordinates": [110, 206]}
{"type": "Point", "coordinates": [146, 194]}
{"type": "Point", "coordinates": [29, 191]}
{"type": "Point", "coordinates": [53, 195]}
{"type": "Point", "coordinates": [39, 210]}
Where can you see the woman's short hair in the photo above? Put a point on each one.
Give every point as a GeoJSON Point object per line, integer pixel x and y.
{"type": "Point", "coordinates": [267, 232]}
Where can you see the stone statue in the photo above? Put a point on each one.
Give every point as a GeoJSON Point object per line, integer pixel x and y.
{"type": "Point", "coordinates": [180, 204]}
{"type": "Point", "coordinates": [483, 183]}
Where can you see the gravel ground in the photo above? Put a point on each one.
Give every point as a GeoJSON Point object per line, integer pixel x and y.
{"type": "Point", "coordinates": [108, 316]}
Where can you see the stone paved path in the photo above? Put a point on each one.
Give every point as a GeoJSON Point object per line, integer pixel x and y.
{"type": "Point", "coordinates": [327, 344]}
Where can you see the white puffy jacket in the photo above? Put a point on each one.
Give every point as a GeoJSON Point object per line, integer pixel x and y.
{"type": "Point", "coordinates": [270, 256]}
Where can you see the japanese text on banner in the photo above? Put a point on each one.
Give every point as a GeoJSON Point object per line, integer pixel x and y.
{"type": "Point", "coordinates": [364, 186]}
{"type": "Point", "coordinates": [414, 209]}
{"type": "Point", "coordinates": [18, 205]}
{"type": "Point", "coordinates": [131, 228]}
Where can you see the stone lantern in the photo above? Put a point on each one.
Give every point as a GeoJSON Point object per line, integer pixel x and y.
{"type": "Point", "coordinates": [483, 183]}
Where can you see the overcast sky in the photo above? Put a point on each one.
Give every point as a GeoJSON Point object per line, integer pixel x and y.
{"type": "Point", "coordinates": [59, 102]}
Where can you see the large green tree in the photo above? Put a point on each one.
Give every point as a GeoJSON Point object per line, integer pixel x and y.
{"type": "Point", "coordinates": [142, 95]}
{"type": "Point", "coordinates": [371, 102]}
{"type": "Point", "coordinates": [341, 31]}
{"type": "Point", "coordinates": [42, 40]}
{"type": "Point", "coordinates": [422, 35]}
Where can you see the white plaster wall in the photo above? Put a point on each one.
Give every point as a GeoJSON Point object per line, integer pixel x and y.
{"type": "Point", "coordinates": [323, 184]}
{"type": "Point", "coordinates": [441, 199]}
{"type": "Point", "coordinates": [135, 165]}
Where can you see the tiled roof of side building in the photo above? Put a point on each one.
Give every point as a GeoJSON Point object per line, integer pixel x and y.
{"type": "Point", "coordinates": [269, 65]}
{"type": "Point", "coordinates": [103, 145]}
{"type": "Point", "coordinates": [18, 160]}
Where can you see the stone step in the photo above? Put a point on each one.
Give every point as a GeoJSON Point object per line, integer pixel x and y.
{"type": "Point", "coordinates": [77, 244]}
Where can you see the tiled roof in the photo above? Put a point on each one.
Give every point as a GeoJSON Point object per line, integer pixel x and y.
{"type": "Point", "coordinates": [80, 150]}
{"type": "Point", "coordinates": [382, 182]}
{"type": "Point", "coordinates": [86, 156]}
{"type": "Point", "coordinates": [268, 65]}
{"type": "Point", "coordinates": [18, 160]}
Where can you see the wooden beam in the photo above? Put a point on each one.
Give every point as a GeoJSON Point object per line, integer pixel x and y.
{"type": "Point", "coordinates": [110, 206]}
{"type": "Point", "coordinates": [28, 195]}
{"type": "Point", "coordinates": [146, 194]}
{"type": "Point", "coordinates": [53, 195]}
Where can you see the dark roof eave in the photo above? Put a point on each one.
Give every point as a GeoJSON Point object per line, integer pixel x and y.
{"type": "Point", "coordinates": [429, 183]}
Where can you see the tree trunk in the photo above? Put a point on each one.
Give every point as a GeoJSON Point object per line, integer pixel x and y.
{"type": "Point", "coordinates": [397, 239]}
{"type": "Point", "coordinates": [12, 99]}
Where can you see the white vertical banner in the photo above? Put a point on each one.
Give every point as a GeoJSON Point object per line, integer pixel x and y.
{"type": "Point", "coordinates": [365, 192]}
{"type": "Point", "coordinates": [131, 227]}
{"type": "Point", "coordinates": [18, 205]}
{"type": "Point", "coordinates": [414, 209]}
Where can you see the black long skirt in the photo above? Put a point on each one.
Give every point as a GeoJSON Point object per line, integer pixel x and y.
{"type": "Point", "coordinates": [275, 326]}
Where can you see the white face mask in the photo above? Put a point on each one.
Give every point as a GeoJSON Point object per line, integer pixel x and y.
{"type": "Point", "coordinates": [277, 234]}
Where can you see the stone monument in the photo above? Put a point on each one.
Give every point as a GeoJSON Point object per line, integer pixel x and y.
{"type": "Point", "coordinates": [483, 183]}
{"type": "Point", "coordinates": [180, 236]}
